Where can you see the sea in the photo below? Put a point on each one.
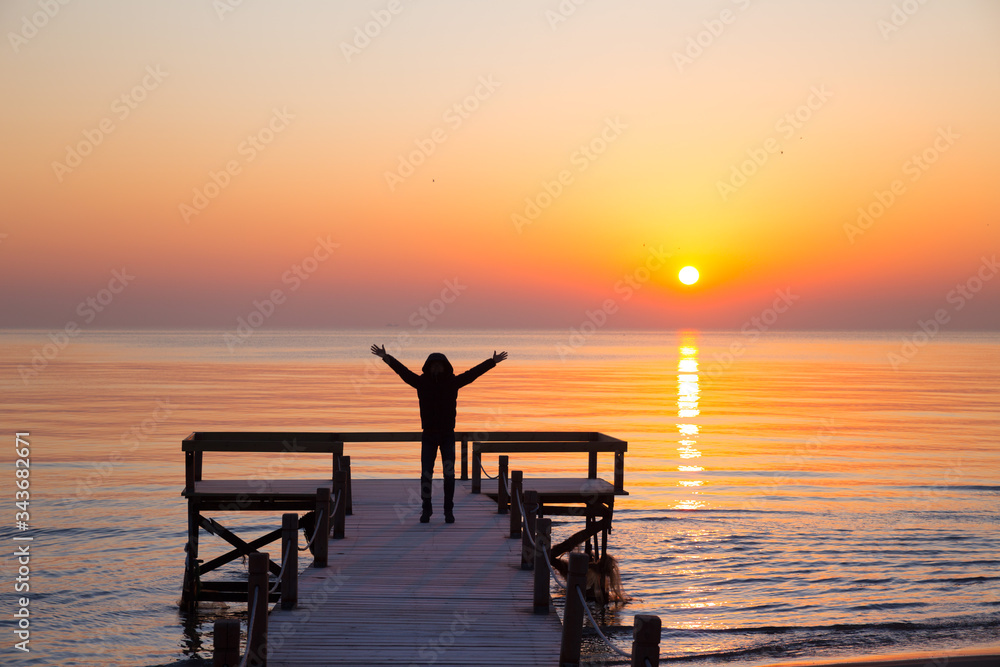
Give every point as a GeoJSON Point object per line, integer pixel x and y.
{"type": "Point", "coordinates": [791, 495]}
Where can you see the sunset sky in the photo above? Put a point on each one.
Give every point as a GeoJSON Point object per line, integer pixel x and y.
{"type": "Point", "coordinates": [499, 164]}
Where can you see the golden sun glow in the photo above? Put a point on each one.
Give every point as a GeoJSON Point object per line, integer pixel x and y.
{"type": "Point", "coordinates": [688, 275]}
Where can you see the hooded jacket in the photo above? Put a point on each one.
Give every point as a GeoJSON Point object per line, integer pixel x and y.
{"type": "Point", "coordinates": [438, 394]}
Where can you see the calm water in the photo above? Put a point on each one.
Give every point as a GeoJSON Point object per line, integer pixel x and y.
{"type": "Point", "coordinates": [803, 499]}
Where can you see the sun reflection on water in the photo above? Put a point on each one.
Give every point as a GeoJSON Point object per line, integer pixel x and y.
{"type": "Point", "coordinates": [688, 393]}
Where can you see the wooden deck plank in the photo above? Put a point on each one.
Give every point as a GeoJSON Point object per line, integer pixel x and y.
{"type": "Point", "coordinates": [398, 592]}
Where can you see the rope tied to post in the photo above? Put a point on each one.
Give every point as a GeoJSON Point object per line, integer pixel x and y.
{"type": "Point", "coordinates": [586, 608]}
{"type": "Point", "coordinates": [315, 532]}
{"type": "Point", "coordinates": [551, 569]}
{"type": "Point", "coordinates": [488, 476]}
{"type": "Point", "coordinates": [284, 564]}
{"type": "Point", "coordinates": [524, 514]}
{"type": "Point", "coordinates": [253, 616]}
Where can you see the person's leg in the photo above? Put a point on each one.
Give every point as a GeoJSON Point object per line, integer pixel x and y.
{"type": "Point", "coordinates": [448, 464]}
{"type": "Point", "coordinates": [428, 453]}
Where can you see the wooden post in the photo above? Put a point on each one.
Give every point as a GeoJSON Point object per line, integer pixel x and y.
{"type": "Point", "coordinates": [530, 514]}
{"type": "Point", "coordinates": [257, 615]}
{"type": "Point", "coordinates": [543, 538]}
{"type": "Point", "coordinates": [645, 640]}
{"type": "Point", "coordinates": [321, 543]}
{"type": "Point", "coordinates": [192, 577]}
{"type": "Point", "coordinates": [349, 510]}
{"type": "Point", "coordinates": [465, 456]}
{"type": "Point", "coordinates": [477, 470]}
{"type": "Point", "coordinates": [516, 477]}
{"type": "Point", "coordinates": [289, 553]}
{"type": "Point", "coordinates": [226, 638]}
{"type": "Point", "coordinates": [340, 510]}
{"type": "Point", "coordinates": [569, 651]}
{"type": "Point", "coordinates": [619, 472]}
{"type": "Point", "coordinates": [592, 465]}
{"type": "Point", "coordinates": [502, 498]}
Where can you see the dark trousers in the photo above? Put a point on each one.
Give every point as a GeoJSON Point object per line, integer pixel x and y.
{"type": "Point", "coordinates": [430, 442]}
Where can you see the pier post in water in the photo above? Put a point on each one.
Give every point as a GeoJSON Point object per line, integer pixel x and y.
{"type": "Point", "coordinates": [502, 498]}
{"type": "Point", "coordinates": [257, 614]}
{"type": "Point", "coordinates": [576, 579]}
{"type": "Point", "coordinates": [530, 515]}
{"type": "Point", "coordinates": [340, 506]}
{"type": "Point", "coordinates": [289, 560]}
{"type": "Point", "coordinates": [477, 468]}
{"type": "Point", "coordinates": [321, 543]}
{"type": "Point", "coordinates": [645, 640]}
{"type": "Point", "coordinates": [516, 477]}
{"type": "Point", "coordinates": [226, 638]}
{"type": "Point", "coordinates": [543, 539]}
{"type": "Point", "coordinates": [346, 467]}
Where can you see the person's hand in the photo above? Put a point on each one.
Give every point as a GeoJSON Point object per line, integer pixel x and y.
{"type": "Point", "coordinates": [497, 358]}
{"type": "Point", "coordinates": [378, 351]}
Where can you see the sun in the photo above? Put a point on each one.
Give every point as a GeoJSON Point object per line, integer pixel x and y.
{"type": "Point", "coordinates": [688, 275]}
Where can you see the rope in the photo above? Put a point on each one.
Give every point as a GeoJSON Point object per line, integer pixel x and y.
{"type": "Point", "coordinates": [488, 476]}
{"type": "Point", "coordinates": [284, 564]}
{"type": "Point", "coordinates": [549, 563]}
{"type": "Point", "coordinates": [506, 487]}
{"type": "Point", "coordinates": [315, 532]}
{"type": "Point", "coordinates": [253, 616]}
{"type": "Point", "coordinates": [525, 514]}
{"type": "Point", "coordinates": [586, 608]}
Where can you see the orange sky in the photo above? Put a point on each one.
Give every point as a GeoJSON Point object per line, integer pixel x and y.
{"type": "Point", "coordinates": [738, 136]}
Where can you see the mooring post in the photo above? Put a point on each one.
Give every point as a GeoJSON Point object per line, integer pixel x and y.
{"type": "Point", "coordinates": [477, 467]}
{"type": "Point", "coordinates": [619, 472]}
{"type": "Point", "coordinates": [340, 507]}
{"type": "Point", "coordinates": [576, 579]}
{"type": "Point", "coordinates": [257, 614]}
{"type": "Point", "coordinates": [645, 640]}
{"type": "Point", "coordinates": [502, 498]}
{"type": "Point", "coordinates": [321, 542]}
{"type": "Point", "coordinates": [349, 510]}
{"type": "Point", "coordinates": [226, 638]}
{"type": "Point", "coordinates": [465, 457]}
{"type": "Point", "coordinates": [289, 560]}
{"type": "Point", "coordinates": [516, 477]}
{"type": "Point", "coordinates": [530, 514]}
{"type": "Point", "coordinates": [543, 538]}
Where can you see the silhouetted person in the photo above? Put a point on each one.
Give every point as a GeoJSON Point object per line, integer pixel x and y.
{"type": "Point", "coordinates": [437, 390]}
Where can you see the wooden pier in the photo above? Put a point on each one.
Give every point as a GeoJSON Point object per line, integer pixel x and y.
{"type": "Point", "coordinates": [388, 590]}
{"type": "Point", "coordinates": [398, 592]}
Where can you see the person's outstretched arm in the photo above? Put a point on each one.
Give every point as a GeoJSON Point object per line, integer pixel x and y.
{"type": "Point", "coordinates": [408, 376]}
{"type": "Point", "coordinates": [474, 372]}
